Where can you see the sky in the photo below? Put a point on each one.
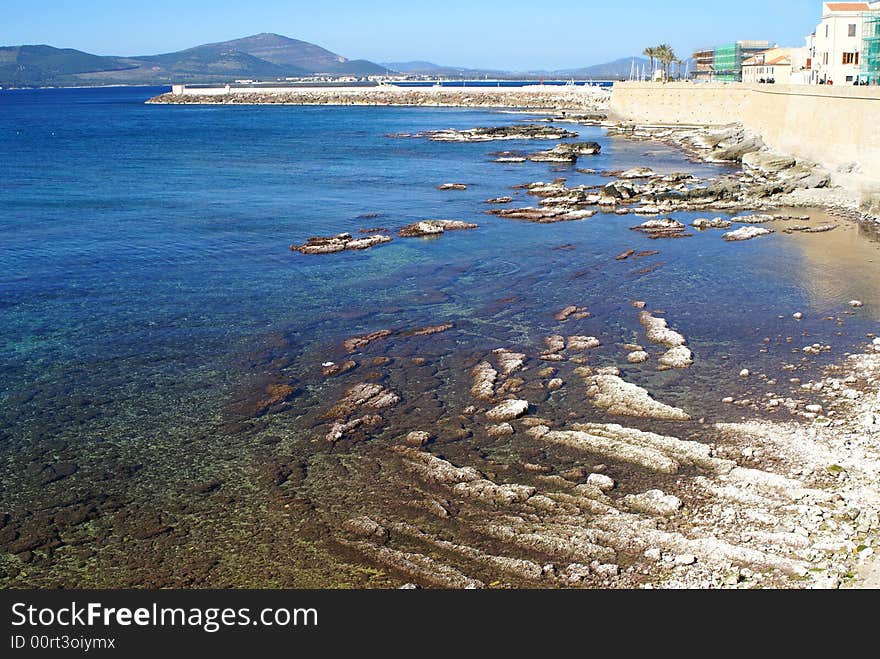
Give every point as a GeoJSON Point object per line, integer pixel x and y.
{"type": "Point", "coordinates": [503, 34]}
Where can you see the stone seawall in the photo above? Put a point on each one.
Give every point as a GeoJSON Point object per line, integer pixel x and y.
{"type": "Point", "coordinates": [835, 127]}
{"type": "Point", "coordinates": [534, 97]}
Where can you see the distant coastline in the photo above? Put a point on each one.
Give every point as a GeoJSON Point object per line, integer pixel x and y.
{"type": "Point", "coordinates": [114, 86]}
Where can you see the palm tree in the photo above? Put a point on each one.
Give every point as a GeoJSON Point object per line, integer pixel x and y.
{"type": "Point", "coordinates": [666, 55]}
{"type": "Point", "coordinates": [651, 53]}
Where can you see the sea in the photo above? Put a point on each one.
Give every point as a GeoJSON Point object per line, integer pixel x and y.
{"type": "Point", "coordinates": [162, 402]}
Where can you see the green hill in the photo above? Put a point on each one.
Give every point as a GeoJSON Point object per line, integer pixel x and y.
{"type": "Point", "coordinates": [262, 56]}
{"type": "Point", "coordinates": [35, 65]}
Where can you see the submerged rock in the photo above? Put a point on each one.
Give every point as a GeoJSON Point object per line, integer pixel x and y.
{"type": "Point", "coordinates": [583, 343]}
{"type": "Point", "coordinates": [746, 233]}
{"type": "Point", "coordinates": [678, 357]}
{"type": "Point", "coordinates": [339, 428]}
{"type": "Point", "coordinates": [356, 343]}
{"type": "Point", "coordinates": [452, 186]}
{"type": "Point", "coordinates": [484, 376]}
{"type": "Point", "coordinates": [654, 502]}
{"type": "Point", "coordinates": [500, 430]}
{"type": "Point", "coordinates": [622, 398]}
{"type": "Point", "coordinates": [824, 228]}
{"type": "Point", "coordinates": [275, 394]}
{"type": "Point", "coordinates": [572, 311]}
{"type": "Point", "coordinates": [418, 438]}
{"type": "Point", "coordinates": [331, 369]}
{"type": "Point", "coordinates": [509, 361]}
{"type": "Point", "coordinates": [365, 394]}
{"type": "Point", "coordinates": [339, 243]}
{"type": "Point", "coordinates": [637, 357]}
{"type": "Point", "coordinates": [555, 343]}
{"type": "Point", "coordinates": [508, 410]}
{"type": "Point", "coordinates": [364, 527]}
{"type": "Point", "coordinates": [433, 329]}
{"type": "Point", "coordinates": [658, 332]}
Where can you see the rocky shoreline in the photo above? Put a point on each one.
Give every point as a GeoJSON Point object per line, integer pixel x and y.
{"type": "Point", "coordinates": [776, 179]}
{"type": "Point", "coordinates": [606, 502]}
{"type": "Point", "coordinates": [771, 503]}
{"type": "Point", "coordinates": [408, 457]}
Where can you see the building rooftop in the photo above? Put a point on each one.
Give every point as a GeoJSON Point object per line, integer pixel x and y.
{"type": "Point", "coordinates": [848, 6]}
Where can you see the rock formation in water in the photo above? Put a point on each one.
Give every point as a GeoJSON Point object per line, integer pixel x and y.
{"type": "Point", "coordinates": [339, 243]}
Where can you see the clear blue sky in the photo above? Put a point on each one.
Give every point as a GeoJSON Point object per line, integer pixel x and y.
{"type": "Point", "coordinates": [507, 34]}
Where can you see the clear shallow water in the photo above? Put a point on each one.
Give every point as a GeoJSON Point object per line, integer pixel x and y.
{"type": "Point", "coordinates": [147, 287]}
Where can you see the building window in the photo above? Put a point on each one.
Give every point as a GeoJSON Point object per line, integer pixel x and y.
{"type": "Point", "coordinates": [827, 30]}
{"type": "Point", "coordinates": [850, 58]}
{"type": "Point", "coordinates": [849, 78]}
{"type": "Point", "coordinates": [825, 59]}
{"type": "Point", "coordinates": [852, 29]}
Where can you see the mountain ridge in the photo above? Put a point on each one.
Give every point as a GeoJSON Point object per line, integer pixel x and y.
{"type": "Point", "coordinates": [264, 55]}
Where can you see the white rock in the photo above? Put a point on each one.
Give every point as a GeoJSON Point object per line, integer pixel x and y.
{"type": "Point", "coordinates": [501, 430]}
{"type": "Point", "coordinates": [744, 373]}
{"type": "Point", "coordinates": [855, 304]}
{"type": "Point", "coordinates": [583, 343]}
{"type": "Point", "coordinates": [745, 233]}
{"type": "Point", "coordinates": [637, 357]}
{"type": "Point", "coordinates": [678, 357]}
{"type": "Point", "coordinates": [653, 554]}
{"type": "Point", "coordinates": [654, 502]}
{"type": "Point", "coordinates": [508, 410]}
{"type": "Point", "coordinates": [623, 398]}
{"type": "Point", "coordinates": [603, 482]}
{"type": "Point", "coordinates": [604, 570]}
{"type": "Point", "coordinates": [685, 559]}
{"type": "Point", "coordinates": [798, 316]}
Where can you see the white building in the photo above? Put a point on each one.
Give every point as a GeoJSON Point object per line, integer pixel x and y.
{"type": "Point", "coordinates": [836, 45]}
{"type": "Point", "coordinates": [782, 66]}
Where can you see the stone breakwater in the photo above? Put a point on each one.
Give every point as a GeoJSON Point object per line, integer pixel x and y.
{"type": "Point", "coordinates": [537, 97]}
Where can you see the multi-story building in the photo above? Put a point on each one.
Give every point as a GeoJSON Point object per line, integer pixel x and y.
{"type": "Point", "coordinates": [725, 63]}
{"type": "Point", "coordinates": [870, 73]}
{"type": "Point", "coordinates": [842, 41]}
{"type": "Point", "coordinates": [704, 64]}
{"type": "Point", "coordinates": [783, 66]}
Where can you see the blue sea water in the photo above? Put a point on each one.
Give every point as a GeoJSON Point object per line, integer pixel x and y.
{"type": "Point", "coordinates": [144, 259]}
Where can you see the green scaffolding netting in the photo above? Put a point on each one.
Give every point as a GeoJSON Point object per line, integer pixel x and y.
{"type": "Point", "coordinates": [870, 56]}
